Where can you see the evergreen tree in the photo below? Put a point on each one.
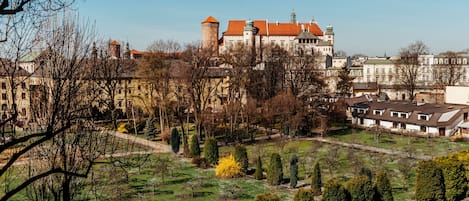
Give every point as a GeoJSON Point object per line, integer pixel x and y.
{"type": "Point", "coordinates": [259, 173]}
{"type": "Point", "coordinates": [211, 150]}
{"type": "Point", "coordinates": [241, 156]}
{"type": "Point", "coordinates": [455, 178]}
{"type": "Point", "coordinates": [175, 140]}
{"type": "Point", "coordinates": [361, 189]}
{"type": "Point", "coordinates": [366, 172]}
{"type": "Point", "coordinates": [303, 195]}
{"type": "Point", "coordinates": [268, 197]}
{"type": "Point", "coordinates": [430, 182]}
{"type": "Point", "coordinates": [344, 85]}
{"type": "Point", "coordinates": [194, 147]}
{"type": "Point", "coordinates": [150, 129]}
{"type": "Point", "coordinates": [316, 182]}
{"type": "Point", "coordinates": [275, 172]}
{"type": "Point", "coordinates": [383, 186]}
{"type": "Point", "coordinates": [293, 171]}
{"type": "Point", "coordinates": [334, 191]}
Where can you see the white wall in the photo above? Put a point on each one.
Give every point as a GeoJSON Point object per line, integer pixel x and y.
{"type": "Point", "coordinates": [386, 124]}
{"type": "Point", "coordinates": [457, 95]}
{"type": "Point", "coordinates": [368, 122]}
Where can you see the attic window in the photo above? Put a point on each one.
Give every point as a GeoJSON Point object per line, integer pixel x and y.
{"type": "Point", "coordinates": [378, 112]}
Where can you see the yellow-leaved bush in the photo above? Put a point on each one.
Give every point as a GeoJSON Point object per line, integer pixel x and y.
{"type": "Point", "coordinates": [122, 128]}
{"type": "Point", "coordinates": [228, 168]}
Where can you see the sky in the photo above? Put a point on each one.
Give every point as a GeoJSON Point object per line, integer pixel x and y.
{"type": "Point", "coordinates": [370, 27]}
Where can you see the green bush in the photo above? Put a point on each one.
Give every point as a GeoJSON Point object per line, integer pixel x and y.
{"type": "Point", "coordinates": [361, 189]}
{"type": "Point", "coordinates": [150, 129]}
{"type": "Point", "coordinates": [241, 156]}
{"type": "Point", "coordinates": [334, 191]}
{"type": "Point", "coordinates": [175, 140]}
{"type": "Point", "coordinates": [316, 182]}
{"type": "Point", "coordinates": [293, 171]}
{"type": "Point", "coordinates": [211, 150]}
{"type": "Point", "coordinates": [194, 148]}
{"type": "Point", "coordinates": [259, 173]}
{"type": "Point", "coordinates": [455, 178]}
{"type": "Point", "coordinates": [430, 182]}
{"type": "Point", "coordinates": [304, 195]}
{"type": "Point", "coordinates": [267, 197]}
{"type": "Point", "coordinates": [383, 186]}
{"type": "Point", "coordinates": [275, 172]}
{"type": "Point", "coordinates": [200, 162]}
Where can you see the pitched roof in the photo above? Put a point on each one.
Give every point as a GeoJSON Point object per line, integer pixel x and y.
{"type": "Point", "coordinates": [210, 19]}
{"type": "Point", "coordinates": [31, 56]}
{"type": "Point", "coordinates": [114, 42]}
{"type": "Point", "coordinates": [236, 28]}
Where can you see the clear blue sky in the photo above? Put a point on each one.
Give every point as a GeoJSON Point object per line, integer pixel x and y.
{"type": "Point", "coordinates": [372, 27]}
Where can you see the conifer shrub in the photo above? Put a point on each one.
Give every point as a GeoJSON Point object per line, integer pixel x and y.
{"type": "Point", "coordinates": [200, 162]}
{"type": "Point", "coordinates": [228, 168]}
{"type": "Point", "coordinates": [175, 140]}
{"type": "Point", "coordinates": [241, 156]}
{"type": "Point", "coordinates": [268, 197]}
{"type": "Point", "coordinates": [361, 189]}
{"type": "Point", "coordinates": [258, 174]}
{"type": "Point", "coordinates": [194, 148]}
{"type": "Point", "coordinates": [430, 182]}
{"type": "Point", "coordinates": [383, 186]}
{"type": "Point", "coordinates": [275, 172]}
{"type": "Point", "coordinates": [316, 181]}
{"type": "Point", "coordinates": [211, 151]}
{"type": "Point", "coordinates": [293, 171]}
{"type": "Point", "coordinates": [454, 176]}
{"type": "Point", "coordinates": [334, 191]}
{"type": "Point", "coordinates": [303, 195]}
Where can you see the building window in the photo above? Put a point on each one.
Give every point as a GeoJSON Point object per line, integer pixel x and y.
{"type": "Point", "coordinates": [119, 91]}
{"type": "Point", "coordinates": [423, 117]}
{"type": "Point", "coordinates": [395, 114]}
{"type": "Point", "coordinates": [23, 95]}
{"type": "Point", "coordinates": [4, 107]}
{"type": "Point", "coordinates": [119, 103]}
{"type": "Point", "coordinates": [23, 85]}
{"type": "Point", "coordinates": [403, 125]}
{"type": "Point", "coordinates": [23, 111]}
{"type": "Point", "coordinates": [4, 96]}
{"type": "Point", "coordinates": [4, 85]}
{"type": "Point", "coordinates": [423, 129]}
{"type": "Point", "coordinates": [394, 124]}
{"type": "Point", "coordinates": [139, 87]}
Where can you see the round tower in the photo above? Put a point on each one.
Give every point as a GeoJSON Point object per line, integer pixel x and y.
{"type": "Point", "coordinates": [115, 49]}
{"type": "Point", "coordinates": [210, 34]}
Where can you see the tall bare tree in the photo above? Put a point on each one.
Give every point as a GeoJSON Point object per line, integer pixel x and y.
{"type": "Point", "coordinates": [449, 72]}
{"type": "Point", "coordinates": [408, 66]}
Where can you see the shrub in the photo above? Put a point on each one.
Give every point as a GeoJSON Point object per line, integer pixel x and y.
{"type": "Point", "coordinates": [194, 147]}
{"type": "Point", "coordinates": [166, 135]}
{"type": "Point", "coordinates": [150, 129]}
{"type": "Point", "coordinates": [267, 197]}
{"type": "Point", "coordinates": [454, 176]}
{"type": "Point", "coordinates": [430, 182]}
{"type": "Point", "coordinates": [200, 162]}
{"type": "Point", "coordinates": [211, 150]}
{"type": "Point", "coordinates": [228, 167]}
{"type": "Point", "coordinates": [383, 186]}
{"type": "Point", "coordinates": [316, 182]}
{"type": "Point", "coordinates": [275, 172]}
{"type": "Point", "coordinates": [334, 191]}
{"type": "Point", "coordinates": [360, 188]}
{"type": "Point", "coordinates": [259, 173]}
{"type": "Point", "coordinates": [175, 140]}
{"type": "Point", "coordinates": [241, 156]}
{"type": "Point", "coordinates": [293, 171]}
{"type": "Point", "coordinates": [304, 195]}
{"type": "Point", "coordinates": [121, 128]}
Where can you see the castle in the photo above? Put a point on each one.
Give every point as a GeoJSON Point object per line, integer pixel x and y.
{"type": "Point", "coordinates": [292, 36]}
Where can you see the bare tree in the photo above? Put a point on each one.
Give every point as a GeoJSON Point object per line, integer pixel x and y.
{"type": "Point", "coordinates": [344, 85]}
{"type": "Point", "coordinates": [408, 66]}
{"type": "Point", "coordinates": [449, 72]}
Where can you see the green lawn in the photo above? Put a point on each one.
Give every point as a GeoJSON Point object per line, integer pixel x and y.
{"type": "Point", "coordinates": [429, 146]}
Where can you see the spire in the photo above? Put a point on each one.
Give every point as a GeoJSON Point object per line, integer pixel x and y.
{"type": "Point", "coordinates": [127, 51]}
{"type": "Point", "coordinates": [94, 51]}
{"type": "Point", "coordinates": [293, 17]}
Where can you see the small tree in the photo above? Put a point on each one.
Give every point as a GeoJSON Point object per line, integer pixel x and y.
{"type": "Point", "coordinates": [194, 148]}
{"type": "Point", "coordinates": [293, 171]}
{"type": "Point", "coordinates": [361, 189]}
{"type": "Point", "coordinates": [175, 140]}
{"type": "Point", "coordinates": [335, 191]}
{"type": "Point", "coordinates": [150, 129]}
{"type": "Point", "coordinates": [211, 150]}
{"type": "Point", "coordinates": [259, 173]}
{"type": "Point", "coordinates": [267, 197]}
{"type": "Point", "coordinates": [241, 156]}
{"type": "Point", "coordinates": [455, 179]}
{"type": "Point", "coordinates": [303, 195]}
{"type": "Point", "coordinates": [275, 172]}
{"type": "Point", "coordinates": [228, 168]}
{"type": "Point", "coordinates": [316, 182]}
{"type": "Point", "coordinates": [430, 182]}
{"type": "Point", "coordinates": [383, 186]}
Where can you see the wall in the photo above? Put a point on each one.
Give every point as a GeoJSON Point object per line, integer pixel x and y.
{"type": "Point", "coordinates": [457, 95]}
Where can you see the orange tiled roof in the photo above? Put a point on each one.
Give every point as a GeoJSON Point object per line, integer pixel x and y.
{"type": "Point", "coordinates": [236, 28]}
{"type": "Point", "coordinates": [137, 52]}
{"type": "Point", "coordinates": [114, 42]}
{"type": "Point", "coordinates": [210, 19]}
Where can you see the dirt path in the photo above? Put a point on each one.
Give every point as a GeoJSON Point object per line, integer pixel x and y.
{"type": "Point", "coordinates": [157, 147]}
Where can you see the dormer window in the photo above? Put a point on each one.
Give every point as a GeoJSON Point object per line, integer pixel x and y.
{"type": "Point", "coordinates": [424, 117]}
{"type": "Point", "coordinates": [378, 112]}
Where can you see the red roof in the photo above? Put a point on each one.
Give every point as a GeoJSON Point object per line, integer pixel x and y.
{"type": "Point", "coordinates": [114, 42]}
{"type": "Point", "coordinates": [210, 19]}
{"type": "Point", "coordinates": [236, 28]}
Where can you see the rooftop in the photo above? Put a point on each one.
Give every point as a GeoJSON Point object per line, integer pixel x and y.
{"type": "Point", "coordinates": [236, 28]}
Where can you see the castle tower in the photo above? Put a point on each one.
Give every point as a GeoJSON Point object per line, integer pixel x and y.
{"type": "Point", "coordinates": [115, 49]}
{"type": "Point", "coordinates": [210, 34]}
{"type": "Point", "coordinates": [293, 17]}
{"type": "Point", "coordinates": [329, 35]}
{"type": "Point", "coordinates": [249, 33]}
